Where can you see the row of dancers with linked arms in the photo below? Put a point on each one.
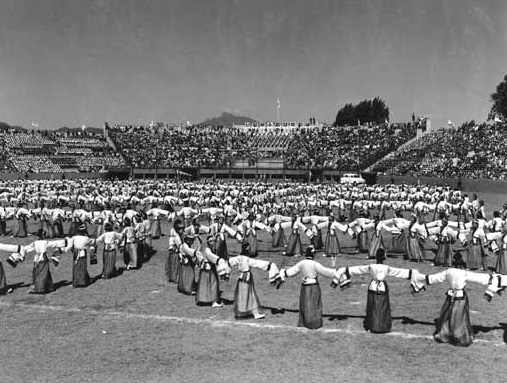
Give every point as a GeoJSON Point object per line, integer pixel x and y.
{"type": "Point", "coordinates": [453, 325]}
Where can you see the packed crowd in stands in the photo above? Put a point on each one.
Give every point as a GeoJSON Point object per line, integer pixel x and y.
{"type": "Point", "coordinates": [56, 152]}
{"type": "Point", "coordinates": [333, 148]}
{"type": "Point", "coordinates": [473, 152]}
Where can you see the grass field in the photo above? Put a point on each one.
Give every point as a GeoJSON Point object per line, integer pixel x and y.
{"type": "Point", "coordinates": [138, 328]}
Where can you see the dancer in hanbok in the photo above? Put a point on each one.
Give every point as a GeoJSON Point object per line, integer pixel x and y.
{"type": "Point", "coordinates": [378, 306]}
{"type": "Point", "coordinates": [46, 252]}
{"type": "Point", "coordinates": [453, 324]}
{"type": "Point", "coordinates": [310, 299]}
{"type": "Point", "coordinates": [82, 247]}
{"type": "Point", "coordinates": [129, 234]}
{"type": "Point", "coordinates": [110, 240]}
{"type": "Point", "coordinates": [173, 257]}
{"type": "Point", "coordinates": [188, 260]}
{"type": "Point", "coordinates": [208, 286]}
{"type": "Point", "coordinates": [17, 256]}
{"type": "Point", "coordinates": [248, 229]}
{"type": "Point", "coordinates": [246, 301]}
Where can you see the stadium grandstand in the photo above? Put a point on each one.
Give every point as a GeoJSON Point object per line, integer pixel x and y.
{"type": "Point", "coordinates": [402, 149]}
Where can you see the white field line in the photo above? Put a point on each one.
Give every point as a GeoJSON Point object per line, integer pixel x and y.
{"type": "Point", "coordinates": [225, 323]}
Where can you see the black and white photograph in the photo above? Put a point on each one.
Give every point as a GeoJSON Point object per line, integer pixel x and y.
{"type": "Point", "coordinates": [253, 191]}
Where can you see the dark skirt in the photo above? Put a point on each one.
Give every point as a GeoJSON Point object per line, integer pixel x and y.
{"type": "Point", "coordinates": [444, 255]}
{"type": "Point", "coordinates": [501, 262]}
{"type": "Point", "coordinates": [475, 255]}
{"type": "Point", "coordinates": [378, 311]}
{"type": "Point", "coordinates": [20, 228]}
{"type": "Point", "coordinates": [156, 230]}
{"type": "Point", "coordinates": [72, 229]}
{"type": "Point", "coordinates": [278, 238]}
{"type": "Point", "coordinates": [186, 282]}
{"type": "Point", "coordinates": [221, 248]}
{"type": "Point", "coordinates": [398, 243]}
{"type": "Point", "coordinates": [332, 247]}
{"type": "Point", "coordinates": [414, 249]}
{"type": "Point", "coordinates": [253, 243]}
{"type": "Point", "coordinates": [3, 281]}
{"type": "Point", "coordinates": [141, 252]}
{"type": "Point", "coordinates": [294, 246]}
{"type": "Point", "coordinates": [80, 276]}
{"type": "Point", "coordinates": [363, 242]}
{"type": "Point", "coordinates": [453, 325]}
{"type": "Point", "coordinates": [317, 241]}
{"type": "Point", "coordinates": [310, 307]}
{"type": "Point", "coordinates": [172, 266]}
{"type": "Point", "coordinates": [377, 242]}
{"type": "Point", "coordinates": [3, 226]}
{"type": "Point", "coordinates": [42, 281]}
{"type": "Point", "coordinates": [246, 300]}
{"type": "Point", "coordinates": [58, 228]}
{"type": "Point", "coordinates": [48, 228]}
{"type": "Point", "coordinates": [109, 264]}
{"type": "Point", "coordinates": [207, 286]}
{"type": "Point", "coordinates": [130, 257]}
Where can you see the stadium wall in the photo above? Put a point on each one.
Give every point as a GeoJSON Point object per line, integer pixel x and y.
{"type": "Point", "coordinates": [48, 176]}
{"type": "Point", "coordinates": [482, 186]}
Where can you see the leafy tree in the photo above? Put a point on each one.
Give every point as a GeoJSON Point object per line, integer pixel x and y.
{"type": "Point", "coordinates": [374, 111]}
{"type": "Point", "coordinates": [499, 99]}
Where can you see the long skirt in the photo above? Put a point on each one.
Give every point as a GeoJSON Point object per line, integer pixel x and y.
{"type": "Point", "coordinates": [186, 282]}
{"type": "Point", "coordinates": [20, 228]}
{"type": "Point", "coordinates": [42, 281]}
{"type": "Point", "coordinates": [398, 243]}
{"type": "Point", "coordinates": [72, 229]}
{"type": "Point", "coordinates": [444, 255]}
{"type": "Point", "coordinates": [130, 257]}
{"type": "Point", "coordinates": [317, 241]}
{"type": "Point", "coordinates": [3, 226]}
{"type": "Point", "coordinates": [156, 230]}
{"type": "Point", "coordinates": [80, 276]}
{"type": "Point", "coordinates": [378, 311]}
{"type": "Point", "coordinates": [310, 307]}
{"type": "Point", "coordinates": [332, 247]}
{"type": "Point", "coordinates": [377, 242]}
{"type": "Point", "coordinates": [3, 280]}
{"type": "Point", "coordinates": [109, 264]}
{"type": "Point", "coordinates": [172, 266]}
{"type": "Point", "coordinates": [207, 286]}
{"type": "Point", "coordinates": [294, 246]}
{"type": "Point", "coordinates": [141, 252]}
{"type": "Point", "coordinates": [363, 242]}
{"type": "Point", "coordinates": [221, 248]}
{"type": "Point", "coordinates": [414, 250]}
{"type": "Point", "coordinates": [48, 227]}
{"type": "Point", "coordinates": [475, 256]}
{"type": "Point", "coordinates": [58, 229]}
{"type": "Point", "coordinates": [246, 300]}
{"type": "Point", "coordinates": [278, 238]}
{"type": "Point", "coordinates": [253, 243]}
{"type": "Point", "coordinates": [453, 325]}
{"type": "Point", "coordinates": [501, 262]}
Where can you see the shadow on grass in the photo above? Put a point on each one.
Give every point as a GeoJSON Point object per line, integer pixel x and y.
{"type": "Point", "coordinates": [501, 326]}
{"type": "Point", "coordinates": [18, 285]}
{"type": "Point", "coordinates": [61, 284]}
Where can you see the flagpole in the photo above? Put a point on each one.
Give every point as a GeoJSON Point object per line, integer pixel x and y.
{"type": "Point", "coordinates": [278, 110]}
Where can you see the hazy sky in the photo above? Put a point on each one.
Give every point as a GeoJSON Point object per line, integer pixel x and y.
{"type": "Point", "coordinates": [73, 62]}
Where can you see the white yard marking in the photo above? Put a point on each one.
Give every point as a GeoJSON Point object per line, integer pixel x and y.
{"type": "Point", "coordinates": [227, 323]}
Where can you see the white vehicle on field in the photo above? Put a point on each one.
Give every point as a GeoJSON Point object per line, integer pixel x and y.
{"type": "Point", "coordinates": [351, 178]}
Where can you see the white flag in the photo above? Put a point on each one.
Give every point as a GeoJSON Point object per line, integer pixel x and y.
{"type": "Point", "coordinates": [450, 123]}
{"type": "Point", "coordinates": [278, 103]}
{"type": "Point", "coordinates": [83, 127]}
{"type": "Point", "coordinates": [35, 125]}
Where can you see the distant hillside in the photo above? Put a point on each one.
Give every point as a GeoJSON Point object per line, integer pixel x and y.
{"type": "Point", "coordinates": [77, 130]}
{"type": "Point", "coordinates": [5, 126]}
{"type": "Point", "coordinates": [227, 119]}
